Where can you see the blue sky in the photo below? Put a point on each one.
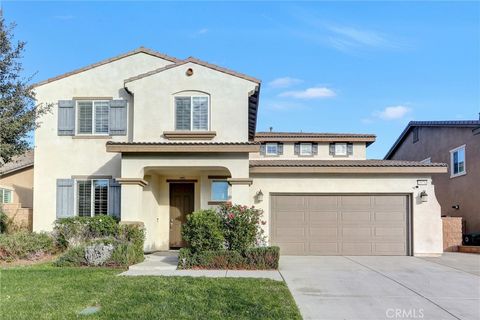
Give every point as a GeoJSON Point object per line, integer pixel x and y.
{"type": "Point", "coordinates": [362, 67]}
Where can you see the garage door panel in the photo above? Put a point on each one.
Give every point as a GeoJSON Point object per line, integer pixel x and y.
{"type": "Point", "coordinates": [340, 224]}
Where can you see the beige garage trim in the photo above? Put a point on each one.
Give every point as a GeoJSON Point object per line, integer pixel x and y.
{"type": "Point", "coordinates": [341, 224]}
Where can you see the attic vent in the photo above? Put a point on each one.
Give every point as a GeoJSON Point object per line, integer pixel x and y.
{"type": "Point", "coordinates": [189, 72]}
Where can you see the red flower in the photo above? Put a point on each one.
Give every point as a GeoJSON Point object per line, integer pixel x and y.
{"type": "Point", "coordinates": [231, 216]}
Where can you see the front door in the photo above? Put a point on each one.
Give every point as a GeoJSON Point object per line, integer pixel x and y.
{"type": "Point", "coordinates": [182, 201]}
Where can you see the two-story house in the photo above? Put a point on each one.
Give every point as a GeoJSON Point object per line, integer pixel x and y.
{"type": "Point", "coordinates": [150, 138]}
{"type": "Point", "coordinates": [456, 143]}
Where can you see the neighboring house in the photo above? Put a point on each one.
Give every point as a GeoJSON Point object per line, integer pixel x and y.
{"type": "Point", "coordinates": [150, 138]}
{"type": "Point", "coordinates": [16, 189]}
{"type": "Point", "coordinates": [455, 143]}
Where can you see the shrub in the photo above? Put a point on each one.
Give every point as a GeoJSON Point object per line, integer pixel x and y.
{"type": "Point", "coordinates": [25, 245]}
{"type": "Point", "coordinates": [242, 226]}
{"type": "Point", "coordinates": [3, 221]}
{"type": "Point", "coordinates": [265, 258]}
{"type": "Point", "coordinates": [74, 231]}
{"type": "Point", "coordinates": [73, 257]}
{"type": "Point", "coordinates": [125, 254]}
{"type": "Point", "coordinates": [203, 231]}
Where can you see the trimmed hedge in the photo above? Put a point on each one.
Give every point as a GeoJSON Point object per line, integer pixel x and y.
{"type": "Point", "coordinates": [25, 245]}
{"type": "Point", "coordinates": [261, 258]}
{"type": "Point", "coordinates": [203, 231]}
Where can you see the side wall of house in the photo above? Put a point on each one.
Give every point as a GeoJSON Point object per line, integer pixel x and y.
{"type": "Point", "coordinates": [436, 143]}
{"type": "Point", "coordinates": [427, 224]}
{"type": "Point", "coordinates": [21, 182]}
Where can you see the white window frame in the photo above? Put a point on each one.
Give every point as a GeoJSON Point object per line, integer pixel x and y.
{"type": "Point", "coordinates": [302, 153]}
{"type": "Point", "coordinates": [191, 113]}
{"type": "Point", "coordinates": [427, 160]}
{"type": "Point", "coordinates": [229, 191]}
{"type": "Point", "coordinates": [92, 195]}
{"type": "Point", "coordinates": [452, 167]}
{"type": "Point", "coordinates": [271, 153]}
{"type": "Point", "coordinates": [346, 149]}
{"type": "Point", "coordinates": [2, 190]}
{"type": "Point", "coordinates": [77, 118]}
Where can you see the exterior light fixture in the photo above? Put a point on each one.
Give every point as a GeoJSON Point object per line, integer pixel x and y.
{"type": "Point", "coordinates": [424, 196]}
{"type": "Point", "coordinates": [259, 196]}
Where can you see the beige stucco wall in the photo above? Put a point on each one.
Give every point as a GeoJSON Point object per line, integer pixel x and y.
{"type": "Point", "coordinates": [58, 157]}
{"type": "Point", "coordinates": [154, 102]}
{"type": "Point", "coordinates": [427, 224]}
{"type": "Point", "coordinates": [359, 153]}
{"type": "Point", "coordinates": [21, 182]}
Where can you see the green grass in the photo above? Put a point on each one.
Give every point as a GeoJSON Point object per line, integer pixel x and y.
{"type": "Point", "coordinates": [46, 292]}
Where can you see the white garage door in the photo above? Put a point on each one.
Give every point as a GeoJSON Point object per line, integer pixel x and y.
{"type": "Point", "coordinates": [340, 224]}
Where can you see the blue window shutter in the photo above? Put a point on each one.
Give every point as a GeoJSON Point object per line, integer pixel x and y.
{"type": "Point", "coordinates": [65, 202]}
{"type": "Point", "coordinates": [263, 149]}
{"type": "Point", "coordinates": [296, 149]}
{"type": "Point", "coordinates": [118, 117]}
{"type": "Point", "coordinates": [314, 148]}
{"type": "Point", "coordinates": [114, 196]}
{"type": "Point", "coordinates": [349, 149]}
{"type": "Point", "coordinates": [280, 148]}
{"type": "Point", "coordinates": [66, 117]}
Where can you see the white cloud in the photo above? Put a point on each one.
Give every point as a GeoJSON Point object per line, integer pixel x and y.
{"type": "Point", "coordinates": [310, 93]}
{"type": "Point", "coordinates": [202, 31]}
{"type": "Point", "coordinates": [354, 36]}
{"type": "Point", "coordinates": [284, 82]}
{"type": "Point", "coordinates": [392, 113]}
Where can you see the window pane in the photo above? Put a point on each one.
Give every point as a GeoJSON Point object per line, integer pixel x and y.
{"type": "Point", "coordinates": [84, 196]}
{"type": "Point", "coordinates": [271, 149]}
{"type": "Point", "coordinates": [5, 196]}
{"type": "Point", "coordinates": [182, 113]}
{"type": "Point", "coordinates": [340, 149]}
{"type": "Point", "coordinates": [200, 113]}
{"type": "Point", "coordinates": [100, 204]}
{"type": "Point", "coordinates": [305, 149]}
{"type": "Point", "coordinates": [220, 190]}
{"type": "Point", "coordinates": [101, 117]}
{"type": "Point", "coordinates": [84, 117]}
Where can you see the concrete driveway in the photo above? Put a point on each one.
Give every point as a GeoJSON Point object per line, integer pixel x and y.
{"type": "Point", "coordinates": [384, 287]}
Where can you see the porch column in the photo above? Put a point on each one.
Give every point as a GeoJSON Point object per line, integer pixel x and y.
{"type": "Point", "coordinates": [240, 190]}
{"type": "Point", "coordinates": [131, 201]}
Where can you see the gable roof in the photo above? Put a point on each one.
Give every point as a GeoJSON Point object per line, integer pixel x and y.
{"type": "Point", "coordinates": [314, 137]}
{"type": "Point", "coordinates": [100, 63]}
{"type": "Point", "coordinates": [444, 124]}
{"type": "Point", "coordinates": [18, 163]}
{"type": "Point", "coordinates": [196, 61]}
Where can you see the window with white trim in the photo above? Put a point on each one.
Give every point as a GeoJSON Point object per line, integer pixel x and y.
{"type": "Point", "coordinates": [457, 162]}
{"type": "Point", "coordinates": [340, 149]}
{"type": "Point", "coordinates": [6, 195]}
{"type": "Point", "coordinates": [427, 160]}
{"type": "Point", "coordinates": [220, 190]}
{"type": "Point", "coordinates": [271, 149]}
{"type": "Point", "coordinates": [92, 197]}
{"type": "Point", "coordinates": [192, 113]}
{"type": "Point", "coordinates": [93, 117]}
{"type": "Point", "coordinates": [306, 149]}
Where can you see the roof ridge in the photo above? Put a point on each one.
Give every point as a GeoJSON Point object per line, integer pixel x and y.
{"type": "Point", "coordinates": [140, 49]}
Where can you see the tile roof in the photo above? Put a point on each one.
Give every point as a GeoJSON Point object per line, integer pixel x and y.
{"type": "Point", "coordinates": [341, 163]}
{"type": "Point", "coordinates": [179, 143]}
{"type": "Point", "coordinates": [314, 137]}
{"type": "Point", "coordinates": [97, 64]}
{"type": "Point", "coordinates": [447, 123]}
{"type": "Point", "coordinates": [19, 162]}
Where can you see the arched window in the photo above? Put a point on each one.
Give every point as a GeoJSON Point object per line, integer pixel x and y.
{"type": "Point", "coordinates": [192, 111]}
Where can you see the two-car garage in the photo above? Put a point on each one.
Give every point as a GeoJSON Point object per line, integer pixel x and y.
{"type": "Point", "coordinates": [341, 224]}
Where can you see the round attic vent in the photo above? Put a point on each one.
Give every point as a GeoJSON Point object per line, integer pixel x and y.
{"type": "Point", "coordinates": [189, 72]}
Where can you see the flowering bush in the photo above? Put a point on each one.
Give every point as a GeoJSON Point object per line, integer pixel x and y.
{"type": "Point", "coordinates": [242, 227]}
{"type": "Point", "coordinates": [203, 231]}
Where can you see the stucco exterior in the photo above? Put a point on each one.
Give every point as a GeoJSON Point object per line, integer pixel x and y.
{"type": "Point", "coordinates": [140, 160]}
{"type": "Point", "coordinates": [21, 183]}
{"type": "Point", "coordinates": [435, 143]}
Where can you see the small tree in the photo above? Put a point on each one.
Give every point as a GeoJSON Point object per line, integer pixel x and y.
{"type": "Point", "coordinates": [18, 111]}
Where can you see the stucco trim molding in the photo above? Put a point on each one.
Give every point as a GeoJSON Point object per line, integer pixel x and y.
{"type": "Point", "coordinates": [189, 135]}
{"type": "Point", "coordinates": [132, 181]}
{"type": "Point", "coordinates": [240, 181]}
{"type": "Point", "coordinates": [397, 170]}
{"type": "Point", "coordinates": [182, 147]}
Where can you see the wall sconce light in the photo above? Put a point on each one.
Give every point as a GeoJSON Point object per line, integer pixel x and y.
{"type": "Point", "coordinates": [456, 207]}
{"type": "Point", "coordinates": [424, 196]}
{"type": "Point", "coordinates": [259, 196]}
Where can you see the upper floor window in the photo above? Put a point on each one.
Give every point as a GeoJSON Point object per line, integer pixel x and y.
{"type": "Point", "coordinates": [457, 161]}
{"type": "Point", "coordinates": [6, 195]}
{"type": "Point", "coordinates": [306, 149]}
{"type": "Point", "coordinates": [341, 149]}
{"type": "Point", "coordinates": [271, 149]}
{"type": "Point", "coordinates": [92, 117]}
{"type": "Point", "coordinates": [92, 197]}
{"type": "Point", "coordinates": [191, 113]}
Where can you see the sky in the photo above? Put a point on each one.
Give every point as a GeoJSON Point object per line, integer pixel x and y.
{"type": "Point", "coordinates": [345, 67]}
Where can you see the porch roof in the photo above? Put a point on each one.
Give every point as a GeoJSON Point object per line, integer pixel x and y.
{"type": "Point", "coordinates": [182, 147]}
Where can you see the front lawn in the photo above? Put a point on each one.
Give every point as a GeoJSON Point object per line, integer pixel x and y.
{"type": "Point", "coordinates": [46, 292]}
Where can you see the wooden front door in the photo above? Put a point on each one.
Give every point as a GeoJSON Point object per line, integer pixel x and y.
{"type": "Point", "coordinates": [182, 202]}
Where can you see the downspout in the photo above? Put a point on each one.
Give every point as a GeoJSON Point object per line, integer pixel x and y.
{"type": "Point", "coordinates": [129, 132]}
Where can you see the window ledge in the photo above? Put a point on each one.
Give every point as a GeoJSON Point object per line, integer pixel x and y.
{"type": "Point", "coordinates": [216, 202]}
{"type": "Point", "coordinates": [458, 175]}
{"type": "Point", "coordinates": [91, 137]}
{"type": "Point", "coordinates": [189, 135]}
